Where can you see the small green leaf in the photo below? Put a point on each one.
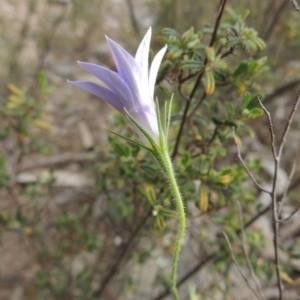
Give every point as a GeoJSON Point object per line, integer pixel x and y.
{"type": "Point", "coordinates": [149, 192]}
{"type": "Point", "coordinates": [233, 31]}
{"type": "Point", "coordinates": [221, 75]}
{"type": "Point", "coordinates": [210, 53]}
{"type": "Point", "coordinates": [230, 109]}
{"type": "Point", "coordinates": [230, 123]}
{"type": "Point", "coordinates": [193, 44]}
{"type": "Point", "coordinates": [259, 42]}
{"type": "Point", "coordinates": [245, 101]}
{"type": "Point", "coordinates": [118, 148]}
{"type": "Point", "coordinates": [209, 82]}
{"type": "Point", "coordinates": [191, 64]}
{"type": "Point", "coordinates": [129, 140]}
{"type": "Point", "coordinates": [170, 32]}
{"type": "Point", "coordinates": [250, 45]}
{"type": "Point", "coordinates": [188, 34]}
{"type": "Point", "coordinates": [168, 213]}
{"type": "Point", "coordinates": [203, 197]}
{"type": "Point", "coordinates": [135, 151]}
{"type": "Point", "coordinates": [256, 112]}
{"type": "Point", "coordinates": [232, 42]}
{"type": "Point", "coordinates": [241, 69]}
{"type": "Point", "coordinates": [193, 295]}
{"type": "Point", "coordinates": [160, 222]}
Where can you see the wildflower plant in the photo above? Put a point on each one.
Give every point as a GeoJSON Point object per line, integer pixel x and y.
{"type": "Point", "coordinates": [96, 241]}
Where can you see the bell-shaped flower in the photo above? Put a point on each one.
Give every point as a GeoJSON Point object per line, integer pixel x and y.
{"type": "Point", "coordinates": [130, 90]}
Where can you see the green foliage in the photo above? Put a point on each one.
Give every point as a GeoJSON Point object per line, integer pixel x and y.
{"type": "Point", "coordinates": [128, 218]}
{"type": "Point", "coordinates": [26, 114]}
{"type": "Point", "coordinates": [4, 176]}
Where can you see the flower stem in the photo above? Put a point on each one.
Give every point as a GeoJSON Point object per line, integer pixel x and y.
{"type": "Point", "coordinates": [166, 164]}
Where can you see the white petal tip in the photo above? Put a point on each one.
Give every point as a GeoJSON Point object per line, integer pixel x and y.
{"type": "Point", "coordinates": [81, 63]}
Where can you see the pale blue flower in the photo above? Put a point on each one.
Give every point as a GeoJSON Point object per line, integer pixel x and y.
{"type": "Point", "coordinates": [131, 87]}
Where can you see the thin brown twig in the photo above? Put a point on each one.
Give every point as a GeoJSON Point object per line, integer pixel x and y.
{"type": "Point", "coordinates": [246, 168]}
{"type": "Point", "coordinates": [289, 217]}
{"type": "Point", "coordinates": [271, 129]}
{"type": "Point", "coordinates": [288, 124]}
{"type": "Point", "coordinates": [283, 197]}
{"type": "Point", "coordinates": [239, 268]}
{"type": "Point", "coordinates": [252, 273]}
{"type": "Point", "coordinates": [281, 89]}
{"type": "Point", "coordinates": [228, 52]}
{"type": "Point", "coordinates": [275, 16]}
{"type": "Point", "coordinates": [295, 5]}
{"type": "Point", "coordinates": [274, 201]}
{"type": "Point", "coordinates": [217, 23]}
{"type": "Point", "coordinates": [294, 185]}
{"type": "Point", "coordinates": [198, 105]}
{"type": "Point", "coordinates": [119, 260]}
{"type": "Point", "coordinates": [214, 135]}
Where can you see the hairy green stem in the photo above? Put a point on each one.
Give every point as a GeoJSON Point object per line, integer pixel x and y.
{"type": "Point", "coordinates": [160, 151]}
{"type": "Point", "coordinates": [166, 164]}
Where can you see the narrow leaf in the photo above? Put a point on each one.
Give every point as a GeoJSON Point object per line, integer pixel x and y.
{"type": "Point", "coordinates": [129, 140]}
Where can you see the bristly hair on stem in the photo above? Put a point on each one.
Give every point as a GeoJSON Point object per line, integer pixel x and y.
{"type": "Point", "coordinates": [160, 152]}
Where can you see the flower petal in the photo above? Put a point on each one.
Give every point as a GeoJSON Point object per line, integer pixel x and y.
{"type": "Point", "coordinates": [147, 118]}
{"type": "Point", "coordinates": [154, 68]}
{"type": "Point", "coordinates": [112, 80]}
{"type": "Point", "coordinates": [101, 92]}
{"type": "Point", "coordinates": [128, 69]}
{"type": "Point", "coordinates": [142, 54]}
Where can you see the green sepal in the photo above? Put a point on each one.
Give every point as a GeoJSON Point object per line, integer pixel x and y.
{"type": "Point", "coordinates": [168, 213]}
{"type": "Point", "coordinates": [193, 295]}
{"type": "Point", "coordinates": [160, 222]}
{"type": "Point", "coordinates": [149, 192]}
{"type": "Point", "coordinates": [129, 140]}
{"type": "Point", "coordinates": [161, 130]}
{"type": "Point", "coordinates": [168, 108]}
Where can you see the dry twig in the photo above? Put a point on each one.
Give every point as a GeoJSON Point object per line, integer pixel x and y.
{"type": "Point", "coordinates": [274, 200]}
{"type": "Point", "coordinates": [246, 168]}
{"type": "Point", "coordinates": [275, 206]}
{"type": "Point", "coordinates": [295, 5]}
{"type": "Point", "coordinates": [252, 273]}
{"type": "Point", "coordinates": [283, 196]}
{"type": "Point", "coordinates": [240, 270]}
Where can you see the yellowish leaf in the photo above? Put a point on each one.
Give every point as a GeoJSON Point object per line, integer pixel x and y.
{"type": "Point", "coordinates": [42, 124]}
{"type": "Point", "coordinates": [225, 179]}
{"type": "Point", "coordinates": [14, 89]}
{"type": "Point", "coordinates": [238, 141]}
{"type": "Point", "coordinates": [209, 82]}
{"type": "Point", "coordinates": [160, 222]}
{"type": "Point", "coordinates": [284, 276]}
{"type": "Point", "coordinates": [203, 197]}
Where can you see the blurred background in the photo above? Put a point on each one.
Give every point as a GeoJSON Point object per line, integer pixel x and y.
{"type": "Point", "coordinates": [66, 228]}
